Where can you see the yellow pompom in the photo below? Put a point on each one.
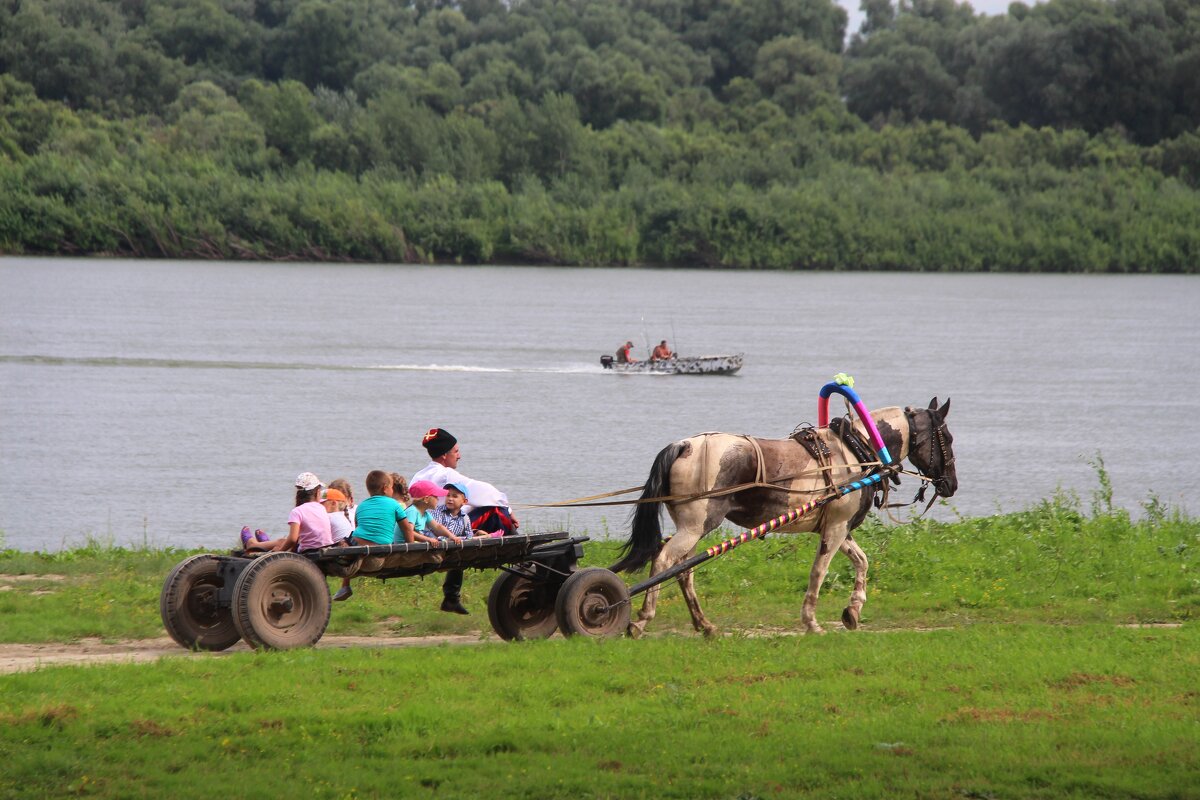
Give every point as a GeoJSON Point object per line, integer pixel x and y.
{"type": "Point", "coordinates": [843, 379]}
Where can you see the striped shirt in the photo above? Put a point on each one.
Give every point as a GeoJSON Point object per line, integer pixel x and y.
{"type": "Point", "coordinates": [459, 524]}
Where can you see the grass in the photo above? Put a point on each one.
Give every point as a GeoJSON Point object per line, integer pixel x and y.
{"type": "Point", "coordinates": [1019, 711]}
{"type": "Point", "coordinates": [1026, 688]}
{"type": "Point", "coordinates": [1051, 563]}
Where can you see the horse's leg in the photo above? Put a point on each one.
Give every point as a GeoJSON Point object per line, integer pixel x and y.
{"type": "Point", "coordinates": [832, 536]}
{"type": "Point", "coordinates": [689, 521]}
{"type": "Point", "coordinates": [859, 595]}
{"type": "Point", "coordinates": [699, 621]}
{"type": "Point", "coordinates": [714, 512]}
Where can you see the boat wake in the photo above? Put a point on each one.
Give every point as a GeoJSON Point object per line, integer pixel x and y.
{"type": "Point", "coordinates": [184, 363]}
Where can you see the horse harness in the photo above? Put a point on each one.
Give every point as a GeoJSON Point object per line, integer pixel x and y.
{"type": "Point", "coordinates": [808, 438]}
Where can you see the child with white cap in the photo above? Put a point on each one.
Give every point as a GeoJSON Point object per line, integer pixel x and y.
{"type": "Point", "coordinates": [308, 523]}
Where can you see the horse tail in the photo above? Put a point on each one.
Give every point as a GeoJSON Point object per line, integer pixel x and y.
{"type": "Point", "coordinates": [645, 537]}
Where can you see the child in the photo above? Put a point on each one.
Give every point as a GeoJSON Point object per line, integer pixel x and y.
{"type": "Point", "coordinates": [343, 486]}
{"type": "Point", "coordinates": [308, 524]}
{"type": "Point", "coordinates": [335, 503]}
{"type": "Point", "coordinates": [400, 489]}
{"type": "Point", "coordinates": [450, 513]}
{"type": "Point", "coordinates": [375, 518]}
{"type": "Point", "coordinates": [418, 517]}
{"type": "Point", "coordinates": [451, 516]}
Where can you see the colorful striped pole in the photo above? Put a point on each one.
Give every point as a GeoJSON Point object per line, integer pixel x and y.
{"type": "Point", "coordinates": [843, 384]}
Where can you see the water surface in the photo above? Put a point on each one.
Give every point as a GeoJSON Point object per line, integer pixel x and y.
{"type": "Point", "coordinates": [173, 402]}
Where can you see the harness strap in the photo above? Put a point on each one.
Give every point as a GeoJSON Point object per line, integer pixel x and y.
{"type": "Point", "coordinates": [825, 470]}
{"type": "Point", "coordinates": [808, 438]}
{"type": "Point", "coordinates": [759, 468]}
{"type": "Point", "coordinates": [581, 501]}
{"type": "Point", "coordinates": [671, 498]}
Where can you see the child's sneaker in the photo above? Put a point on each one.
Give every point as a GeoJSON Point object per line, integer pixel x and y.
{"type": "Point", "coordinates": [261, 536]}
{"type": "Point", "coordinates": [246, 537]}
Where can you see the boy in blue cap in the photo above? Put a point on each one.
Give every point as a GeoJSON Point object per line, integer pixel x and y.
{"type": "Point", "coordinates": [455, 519]}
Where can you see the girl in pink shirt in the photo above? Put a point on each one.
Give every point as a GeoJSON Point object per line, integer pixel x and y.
{"type": "Point", "coordinates": [308, 524]}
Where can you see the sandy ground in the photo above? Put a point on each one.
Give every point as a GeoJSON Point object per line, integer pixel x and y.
{"type": "Point", "coordinates": [25, 657]}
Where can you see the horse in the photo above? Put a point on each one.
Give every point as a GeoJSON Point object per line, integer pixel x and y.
{"type": "Point", "coordinates": [712, 477]}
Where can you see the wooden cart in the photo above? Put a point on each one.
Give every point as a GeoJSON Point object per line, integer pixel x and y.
{"type": "Point", "coordinates": [281, 600]}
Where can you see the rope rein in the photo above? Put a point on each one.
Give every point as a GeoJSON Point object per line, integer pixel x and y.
{"type": "Point", "coordinates": [825, 471]}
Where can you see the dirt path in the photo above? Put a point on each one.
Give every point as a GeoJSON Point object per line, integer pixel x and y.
{"type": "Point", "coordinates": [24, 657]}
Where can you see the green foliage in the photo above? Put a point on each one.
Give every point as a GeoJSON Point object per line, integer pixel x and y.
{"type": "Point", "coordinates": [1065, 63]}
{"type": "Point", "coordinates": [1060, 137]}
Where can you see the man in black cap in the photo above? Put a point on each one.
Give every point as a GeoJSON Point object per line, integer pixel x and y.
{"type": "Point", "coordinates": [487, 505]}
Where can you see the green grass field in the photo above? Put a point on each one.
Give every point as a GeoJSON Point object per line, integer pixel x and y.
{"type": "Point", "coordinates": [988, 711]}
{"type": "Point", "coordinates": [1031, 684]}
{"type": "Point", "coordinates": [1052, 563]}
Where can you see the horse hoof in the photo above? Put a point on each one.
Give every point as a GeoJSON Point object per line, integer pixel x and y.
{"type": "Point", "coordinates": [817, 629]}
{"type": "Point", "coordinates": [850, 619]}
{"type": "Point", "coordinates": [710, 631]}
{"type": "Point", "coordinates": [634, 631]}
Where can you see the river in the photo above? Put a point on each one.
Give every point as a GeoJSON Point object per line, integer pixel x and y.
{"type": "Point", "coordinates": [169, 403]}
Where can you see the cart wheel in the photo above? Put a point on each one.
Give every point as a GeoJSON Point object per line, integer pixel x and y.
{"type": "Point", "coordinates": [522, 609]}
{"type": "Point", "coordinates": [189, 609]}
{"type": "Point", "coordinates": [281, 601]}
{"type": "Point", "coordinates": [593, 602]}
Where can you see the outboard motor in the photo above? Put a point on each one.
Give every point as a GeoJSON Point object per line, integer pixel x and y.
{"type": "Point", "coordinates": [606, 362]}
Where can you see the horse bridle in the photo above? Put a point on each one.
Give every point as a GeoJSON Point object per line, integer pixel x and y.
{"type": "Point", "coordinates": [939, 439]}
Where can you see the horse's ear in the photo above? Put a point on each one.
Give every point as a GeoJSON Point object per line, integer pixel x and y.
{"type": "Point", "coordinates": [944, 410]}
{"type": "Point", "coordinates": [933, 404]}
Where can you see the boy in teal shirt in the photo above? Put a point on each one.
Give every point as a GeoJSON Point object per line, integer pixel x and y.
{"type": "Point", "coordinates": [375, 518]}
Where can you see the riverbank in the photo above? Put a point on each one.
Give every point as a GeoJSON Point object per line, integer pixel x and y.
{"type": "Point", "coordinates": [839, 217]}
{"type": "Point", "coordinates": [1050, 564]}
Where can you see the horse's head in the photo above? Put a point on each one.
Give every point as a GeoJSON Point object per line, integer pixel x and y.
{"type": "Point", "coordinates": [930, 446]}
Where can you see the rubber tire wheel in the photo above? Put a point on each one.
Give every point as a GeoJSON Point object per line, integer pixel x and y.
{"type": "Point", "coordinates": [593, 602]}
{"type": "Point", "coordinates": [281, 601]}
{"type": "Point", "coordinates": [188, 605]}
{"type": "Point", "coordinates": [521, 609]}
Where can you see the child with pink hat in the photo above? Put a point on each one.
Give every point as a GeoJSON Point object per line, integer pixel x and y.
{"type": "Point", "coordinates": [419, 515]}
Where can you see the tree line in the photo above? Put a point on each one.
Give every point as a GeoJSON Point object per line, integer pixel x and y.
{"type": "Point", "coordinates": [1063, 136]}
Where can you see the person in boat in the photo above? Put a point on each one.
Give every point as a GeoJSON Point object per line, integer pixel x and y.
{"type": "Point", "coordinates": [662, 352]}
{"type": "Point", "coordinates": [486, 506]}
{"type": "Point", "coordinates": [623, 354]}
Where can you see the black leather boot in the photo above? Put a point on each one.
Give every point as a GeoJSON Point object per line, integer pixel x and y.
{"type": "Point", "coordinates": [453, 605]}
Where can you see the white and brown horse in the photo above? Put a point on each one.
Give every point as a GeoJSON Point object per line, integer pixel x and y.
{"type": "Point", "coordinates": [777, 475]}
